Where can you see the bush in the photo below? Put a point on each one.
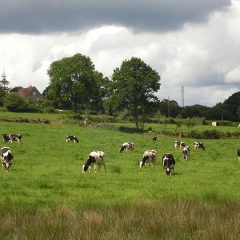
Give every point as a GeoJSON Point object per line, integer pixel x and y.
{"type": "Point", "coordinates": [161, 120]}
{"type": "Point", "coordinates": [50, 110]}
{"type": "Point", "coordinates": [194, 134]}
{"type": "Point", "coordinates": [214, 134]}
{"type": "Point", "coordinates": [15, 103]}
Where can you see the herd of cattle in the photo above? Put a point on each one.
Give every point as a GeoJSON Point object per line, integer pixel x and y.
{"type": "Point", "coordinates": [96, 158]}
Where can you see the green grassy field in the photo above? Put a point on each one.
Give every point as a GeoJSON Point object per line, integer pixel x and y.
{"type": "Point", "coordinates": [46, 185]}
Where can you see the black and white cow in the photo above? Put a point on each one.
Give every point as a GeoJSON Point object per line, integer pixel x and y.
{"type": "Point", "coordinates": [6, 156]}
{"type": "Point", "coordinates": [238, 154]}
{"type": "Point", "coordinates": [95, 158]}
{"type": "Point", "coordinates": [168, 163]}
{"type": "Point", "coordinates": [186, 152]}
{"type": "Point", "coordinates": [154, 138]}
{"type": "Point", "coordinates": [182, 145]}
{"type": "Point", "coordinates": [149, 158]}
{"type": "Point", "coordinates": [12, 137]}
{"type": "Point", "coordinates": [127, 146]}
{"type": "Point", "coordinates": [71, 138]}
{"type": "Point", "coordinates": [198, 145]}
{"type": "Point", "coordinates": [178, 144]}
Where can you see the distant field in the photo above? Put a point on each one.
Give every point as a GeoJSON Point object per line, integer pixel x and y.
{"type": "Point", "coordinates": [104, 121]}
{"type": "Point", "coordinates": [172, 127]}
{"type": "Point", "coordinates": [47, 175]}
{"type": "Point", "coordinates": [61, 116]}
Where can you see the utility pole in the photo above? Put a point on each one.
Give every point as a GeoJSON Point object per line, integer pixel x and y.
{"type": "Point", "coordinates": [182, 96]}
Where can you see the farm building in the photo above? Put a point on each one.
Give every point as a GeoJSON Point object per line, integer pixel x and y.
{"type": "Point", "coordinates": [215, 124]}
{"type": "Point", "coordinates": [31, 93]}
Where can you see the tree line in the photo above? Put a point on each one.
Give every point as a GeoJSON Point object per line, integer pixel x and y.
{"type": "Point", "coordinates": [130, 92]}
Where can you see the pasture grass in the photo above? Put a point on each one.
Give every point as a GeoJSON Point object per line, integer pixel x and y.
{"type": "Point", "coordinates": [46, 196]}
{"type": "Point", "coordinates": [48, 170]}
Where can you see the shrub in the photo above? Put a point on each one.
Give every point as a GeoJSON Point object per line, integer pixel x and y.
{"type": "Point", "coordinates": [194, 134]}
{"type": "Point", "coordinates": [15, 103]}
{"type": "Point", "coordinates": [50, 110]}
{"type": "Point", "coordinates": [214, 134]}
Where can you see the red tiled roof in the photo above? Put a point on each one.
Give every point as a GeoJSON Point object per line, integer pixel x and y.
{"type": "Point", "coordinates": [24, 92]}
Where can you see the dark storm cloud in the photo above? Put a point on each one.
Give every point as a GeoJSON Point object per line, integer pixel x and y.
{"type": "Point", "coordinates": [33, 16]}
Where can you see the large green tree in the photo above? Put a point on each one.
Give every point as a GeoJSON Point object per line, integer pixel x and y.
{"type": "Point", "coordinates": [133, 87]}
{"type": "Point", "coordinates": [72, 81]}
{"type": "Point", "coordinates": [194, 111]}
{"type": "Point", "coordinates": [100, 92]}
{"type": "Point", "coordinates": [233, 102]}
{"type": "Point", "coordinates": [169, 108]}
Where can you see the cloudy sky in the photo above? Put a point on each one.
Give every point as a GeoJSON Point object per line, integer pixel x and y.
{"type": "Point", "coordinates": [191, 43]}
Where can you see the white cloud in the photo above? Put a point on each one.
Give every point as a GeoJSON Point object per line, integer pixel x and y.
{"type": "Point", "coordinates": [204, 58]}
{"type": "Point", "coordinates": [233, 76]}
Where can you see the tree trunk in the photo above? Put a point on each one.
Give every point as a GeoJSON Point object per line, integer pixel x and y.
{"type": "Point", "coordinates": [137, 125]}
{"type": "Point", "coordinates": [136, 120]}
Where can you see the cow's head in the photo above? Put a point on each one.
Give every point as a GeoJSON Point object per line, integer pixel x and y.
{"type": "Point", "coordinates": [5, 136]}
{"type": "Point", "coordinates": [85, 168]}
{"type": "Point", "coordinates": [131, 145]}
{"type": "Point", "coordinates": [144, 160]}
{"type": "Point", "coordinates": [202, 146]}
{"type": "Point", "coordinates": [91, 160]}
{"type": "Point", "coordinates": [141, 164]}
{"type": "Point", "coordinates": [168, 170]}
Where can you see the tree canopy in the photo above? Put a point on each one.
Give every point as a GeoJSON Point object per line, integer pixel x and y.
{"type": "Point", "coordinates": [233, 104]}
{"type": "Point", "coordinates": [133, 87]}
{"type": "Point", "coordinates": [73, 81]}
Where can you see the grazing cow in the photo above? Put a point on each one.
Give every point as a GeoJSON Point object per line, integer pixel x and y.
{"type": "Point", "coordinates": [12, 137]}
{"type": "Point", "coordinates": [149, 157]}
{"type": "Point", "coordinates": [71, 138]}
{"type": "Point", "coordinates": [127, 146]}
{"type": "Point", "coordinates": [168, 163]}
{"type": "Point", "coordinates": [154, 138]}
{"type": "Point", "coordinates": [198, 145]}
{"type": "Point", "coordinates": [177, 144]}
{"type": "Point", "coordinates": [95, 158]}
{"type": "Point", "coordinates": [238, 154]}
{"type": "Point", "coordinates": [186, 152]}
{"type": "Point", "coordinates": [182, 145]}
{"type": "Point", "coordinates": [6, 157]}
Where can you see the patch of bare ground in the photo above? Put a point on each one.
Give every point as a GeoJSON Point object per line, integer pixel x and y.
{"type": "Point", "coordinates": [56, 123]}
